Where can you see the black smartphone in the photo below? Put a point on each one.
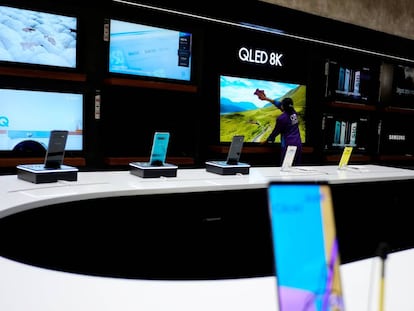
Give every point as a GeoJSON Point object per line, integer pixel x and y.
{"type": "Point", "coordinates": [56, 149]}
{"type": "Point", "coordinates": [305, 246]}
{"type": "Point", "coordinates": [236, 146]}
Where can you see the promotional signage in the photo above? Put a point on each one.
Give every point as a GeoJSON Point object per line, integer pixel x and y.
{"type": "Point", "coordinates": [257, 56]}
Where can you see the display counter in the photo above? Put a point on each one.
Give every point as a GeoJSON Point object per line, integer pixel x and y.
{"type": "Point", "coordinates": [25, 287]}
{"type": "Point", "coordinates": [127, 238]}
{"type": "Point", "coordinates": [18, 195]}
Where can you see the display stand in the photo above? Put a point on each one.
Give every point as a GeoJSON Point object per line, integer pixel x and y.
{"type": "Point", "coordinates": [146, 170]}
{"type": "Point", "coordinates": [346, 155]}
{"type": "Point", "coordinates": [224, 168]}
{"type": "Point", "coordinates": [37, 173]}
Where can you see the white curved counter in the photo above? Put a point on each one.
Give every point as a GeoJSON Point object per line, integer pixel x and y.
{"type": "Point", "coordinates": [18, 195]}
{"type": "Point", "coordinates": [26, 287]}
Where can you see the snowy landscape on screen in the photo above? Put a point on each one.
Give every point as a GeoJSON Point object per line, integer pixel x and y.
{"type": "Point", "coordinates": [34, 37]}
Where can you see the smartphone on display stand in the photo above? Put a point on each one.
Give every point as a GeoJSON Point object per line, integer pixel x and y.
{"type": "Point", "coordinates": [305, 247]}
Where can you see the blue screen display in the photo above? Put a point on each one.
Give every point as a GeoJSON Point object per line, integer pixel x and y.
{"type": "Point", "coordinates": [142, 50]}
{"type": "Point", "coordinates": [31, 115]}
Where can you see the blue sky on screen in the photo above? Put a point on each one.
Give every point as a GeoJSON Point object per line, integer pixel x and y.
{"type": "Point", "coordinates": [240, 89]}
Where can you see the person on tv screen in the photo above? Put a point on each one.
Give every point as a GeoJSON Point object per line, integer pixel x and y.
{"type": "Point", "coordinates": [287, 125]}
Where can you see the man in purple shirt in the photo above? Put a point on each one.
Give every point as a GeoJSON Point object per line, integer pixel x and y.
{"type": "Point", "coordinates": [287, 125]}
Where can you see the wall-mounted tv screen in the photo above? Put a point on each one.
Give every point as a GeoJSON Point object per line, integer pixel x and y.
{"type": "Point", "coordinates": [38, 38]}
{"type": "Point", "coordinates": [396, 135]}
{"type": "Point", "coordinates": [29, 115]}
{"type": "Point", "coordinates": [243, 113]}
{"type": "Point", "coordinates": [350, 82]}
{"type": "Point", "coordinates": [403, 87]}
{"type": "Point", "coordinates": [339, 131]}
{"type": "Point", "coordinates": [142, 50]}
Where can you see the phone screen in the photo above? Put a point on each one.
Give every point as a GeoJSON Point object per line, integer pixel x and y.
{"type": "Point", "coordinates": [236, 146]}
{"type": "Point", "coordinates": [159, 148]}
{"type": "Point", "coordinates": [56, 149]}
{"type": "Point", "coordinates": [305, 247]}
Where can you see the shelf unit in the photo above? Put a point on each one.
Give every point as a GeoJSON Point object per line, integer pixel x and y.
{"type": "Point", "coordinates": [44, 74]}
{"type": "Point", "coordinates": [151, 84]}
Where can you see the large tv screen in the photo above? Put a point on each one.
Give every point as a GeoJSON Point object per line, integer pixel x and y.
{"type": "Point", "coordinates": [154, 52]}
{"type": "Point", "coordinates": [29, 115]}
{"type": "Point", "coordinates": [396, 135]}
{"type": "Point", "coordinates": [243, 113]}
{"type": "Point", "coordinates": [38, 38]}
{"type": "Point", "coordinates": [403, 87]}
